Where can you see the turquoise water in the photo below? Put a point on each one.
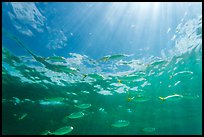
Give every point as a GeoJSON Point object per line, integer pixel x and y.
{"type": "Point", "coordinates": [98, 84]}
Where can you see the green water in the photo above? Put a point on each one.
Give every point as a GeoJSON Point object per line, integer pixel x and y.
{"type": "Point", "coordinates": [36, 97]}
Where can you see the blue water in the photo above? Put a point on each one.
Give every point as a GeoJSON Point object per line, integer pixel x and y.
{"type": "Point", "coordinates": [138, 66]}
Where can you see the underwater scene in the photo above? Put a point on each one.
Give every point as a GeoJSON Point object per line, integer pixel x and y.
{"type": "Point", "coordinates": [101, 68]}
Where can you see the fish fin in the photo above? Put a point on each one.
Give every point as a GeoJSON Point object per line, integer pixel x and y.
{"type": "Point", "coordinates": [84, 76]}
{"type": "Point", "coordinates": [162, 98]}
{"type": "Point", "coordinates": [130, 99]}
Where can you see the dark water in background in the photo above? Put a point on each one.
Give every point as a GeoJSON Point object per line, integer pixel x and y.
{"type": "Point", "coordinates": [119, 87]}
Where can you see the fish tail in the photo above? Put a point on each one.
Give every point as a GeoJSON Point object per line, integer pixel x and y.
{"type": "Point", "coordinates": [162, 98]}
{"type": "Point", "coordinates": [49, 133]}
{"type": "Point", "coordinates": [84, 76]}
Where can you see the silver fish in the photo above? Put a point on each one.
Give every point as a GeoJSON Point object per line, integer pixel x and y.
{"type": "Point", "coordinates": [62, 130]}
{"type": "Point", "coordinates": [121, 123]}
{"type": "Point", "coordinates": [83, 106]}
{"type": "Point", "coordinates": [76, 115]}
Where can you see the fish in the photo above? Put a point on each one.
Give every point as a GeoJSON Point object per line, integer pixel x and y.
{"type": "Point", "coordinates": [27, 99]}
{"type": "Point", "coordinates": [155, 63]}
{"type": "Point", "coordinates": [121, 123]}
{"type": "Point", "coordinates": [42, 60]}
{"type": "Point", "coordinates": [148, 129]}
{"type": "Point", "coordinates": [55, 99]}
{"type": "Point", "coordinates": [96, 76]}
{"type": "Point", "coordinates": [16, 101]}
{"type": "Point", "coordinates": [111, 57]}
{"type": "Point", "coordinates": [173, 97]}
{"type": "Point", "coordinates": [37, 58]}
{"type": "Point", "coordinates": [183, 73]}
{"type": "Point", "coordinates": [130, 99]}
{"type": "Point", "coordinates": [51, 102]}
{"type": "Point", "coordinates": [141, 99]}
{"type": "Point", "coordinates": [56, 59]}
{"type": "Point", "coordinates": [83, 106]}
{"type": "Point", "coordinates": [84, 76]}
{"type": "Point", "coordinates": [22, 116]}
{"type": "Point", "coordinates": [138, 98]}
{"type": "Point", "coordinates": [62, 131]}
{"type": "Point", "coordinates": [76, 115]}
{"type": "Point", "coordinates": [129, 77]}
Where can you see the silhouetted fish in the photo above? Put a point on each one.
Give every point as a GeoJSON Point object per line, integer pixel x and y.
{"type": "Point", "coordinates": [57, 68]}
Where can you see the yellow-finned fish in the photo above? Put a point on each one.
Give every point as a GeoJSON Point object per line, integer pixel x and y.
{"type": "Point", "coordinates": [173, 97]}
